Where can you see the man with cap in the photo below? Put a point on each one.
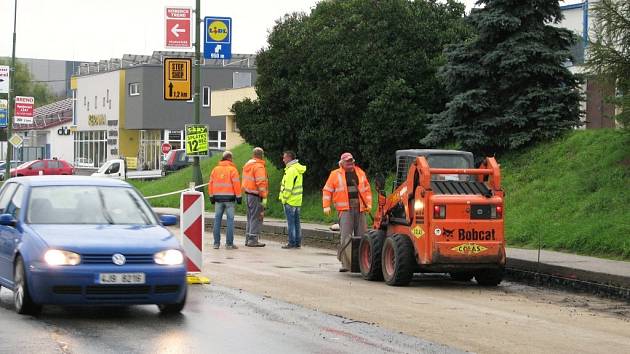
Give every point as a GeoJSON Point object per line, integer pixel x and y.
{"type": "Point", "coordinates": [255, 185]}
{"type": "Point", "coordinates": [349, 190]}
{"type": "Point", "coordinates": [224, 188]}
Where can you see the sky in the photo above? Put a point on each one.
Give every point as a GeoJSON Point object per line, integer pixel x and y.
{"type": "Point", "coordinates": [92, 30]}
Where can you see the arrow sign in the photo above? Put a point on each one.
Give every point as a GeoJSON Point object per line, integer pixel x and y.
{"type": "Point", "coordinates": [176, 30]}
{"type": "Point", "coordinates": [177, 27]}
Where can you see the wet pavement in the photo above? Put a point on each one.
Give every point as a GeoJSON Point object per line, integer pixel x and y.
{"type": "Point", "coordinates": [216, 320]}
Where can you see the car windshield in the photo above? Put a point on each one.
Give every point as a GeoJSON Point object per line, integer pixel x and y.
{"type": "Point", "coordinates": [88, 205]}
{"type": "Point", "coordinates": [24, 165]}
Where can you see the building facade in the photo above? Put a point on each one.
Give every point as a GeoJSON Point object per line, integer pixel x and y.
{"type": "Point", "coordinates": [119, 109]}
{"type": "Point", "coordinates": [222, 101]}
{"type": "Point", "coordinates": [598, 112]}
{"type": "Point", "coordinates": [49, 136]}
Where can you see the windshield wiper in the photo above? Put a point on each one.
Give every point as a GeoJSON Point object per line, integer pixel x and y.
{"type": "Point", "coordinates": [106, 214]}
{"type": "Point", "coordinates": [141, 212]}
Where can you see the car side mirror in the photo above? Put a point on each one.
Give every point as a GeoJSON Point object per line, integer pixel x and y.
{"type": "Point", "coordinates": [7, 220]}
{"type": "Point", "coordinates": [30, 167]}
{"type": "Point", "coordinates": [168, 220]}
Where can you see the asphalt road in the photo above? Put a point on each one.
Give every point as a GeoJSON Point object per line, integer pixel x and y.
{"type": "Point", "coordinates": [215, 320]}
{"type": "Point", "coordinates": [270, 300]}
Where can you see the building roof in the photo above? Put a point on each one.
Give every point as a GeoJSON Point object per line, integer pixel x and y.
{"type": "Point", "coordinates": [132, 60]}
{"type": "Point", "coordinates": [49, 115]}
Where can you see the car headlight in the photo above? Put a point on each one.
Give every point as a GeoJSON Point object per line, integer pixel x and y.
{"type": "Point", "coordinates": [169, 257]}
{"type": "Point", "coordinates": [59, 257]}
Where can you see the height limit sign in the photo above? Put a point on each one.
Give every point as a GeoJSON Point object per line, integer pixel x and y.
{"type": "Point", "coordinates": [177, 79]}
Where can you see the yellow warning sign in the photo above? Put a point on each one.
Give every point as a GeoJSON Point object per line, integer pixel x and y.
{"type": "Point", "coordinates": [417, 231]}
{"type": "Point", "coordinates": [177, 79]}
{"type": "Point", "coordinates": [469, 248]}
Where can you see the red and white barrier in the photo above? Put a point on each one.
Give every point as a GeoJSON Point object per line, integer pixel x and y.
{"type": "Point", "coordinates": [191, 228]}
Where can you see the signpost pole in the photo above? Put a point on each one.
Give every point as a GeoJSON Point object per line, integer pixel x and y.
{"type": "Point", "coordinates": [196, 169]}
{"type": "Point", "coordinates": [10, 109]}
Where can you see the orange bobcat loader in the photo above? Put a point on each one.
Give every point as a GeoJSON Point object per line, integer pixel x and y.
{"type": "Point", "coordinates": [444, 216]}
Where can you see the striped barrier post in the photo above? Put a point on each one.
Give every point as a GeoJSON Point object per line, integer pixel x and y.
{"type": "Point", "coordinates": [192, 229]}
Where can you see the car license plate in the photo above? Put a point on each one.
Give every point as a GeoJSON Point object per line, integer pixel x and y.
{"type": "Point", "coordinates": [121, 278]}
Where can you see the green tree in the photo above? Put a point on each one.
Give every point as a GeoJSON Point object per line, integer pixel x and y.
{"type": "Point", "coordinates": [609, 52]}
{"type": "Point", "coordinates": [26, 86]}
{"type": "Point", "coordinates": [353, 75]}
{"type": "Point", "coordinates": [510, 85]}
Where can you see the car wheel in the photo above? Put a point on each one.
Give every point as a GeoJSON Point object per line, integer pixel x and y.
{"type": "Point", "coordinates": [370, 255]}
{"type": "Point", "coordinates": [461, 276]}
{"type": "Point", "coordinates": [490, 277]}
{"type": "Point", "coordinates": [24, 305]}
{"type": "Point", "coordinates": [172, 309]}
{"type": "Point", "coordinates": [398, 261]}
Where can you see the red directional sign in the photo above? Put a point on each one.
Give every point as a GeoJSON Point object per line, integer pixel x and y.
{"type": "Point", "coordinates": [166, 147]}
{"type": "Point", "coordinates": [178, 20]}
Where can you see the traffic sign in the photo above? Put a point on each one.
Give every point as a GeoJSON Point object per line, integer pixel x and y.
{"type": "Point", "coordinates": [4, 78]}
{"type": "Point", "coordinates": [166, 147]}
{"type": "Point", "coordinates": [218, 41]}
{"type": "Point", "coordinates": [177, 79]}
{"type": "Point", "coordinates": [177, 26]}
{"type": "Point", "coordinates": [4, 113]}
{"type": "Point", "coordinates": [16, 140]}
{"type": "Point", "coordinates": [196, 140]}
{"type": "Point", "coordinates": [24, 107]}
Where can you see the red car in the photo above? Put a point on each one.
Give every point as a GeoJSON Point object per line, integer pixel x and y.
{"type": "Point", "coordinates": [48, 167]}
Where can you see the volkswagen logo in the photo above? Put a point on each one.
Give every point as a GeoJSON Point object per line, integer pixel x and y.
{"type": "Point", "coordinates": [118, 259]}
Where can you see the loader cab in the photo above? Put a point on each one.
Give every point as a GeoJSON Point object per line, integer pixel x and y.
{"type": "Point", "coordinates": [436, 159]}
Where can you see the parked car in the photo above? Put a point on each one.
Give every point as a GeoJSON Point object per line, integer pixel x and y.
{"type": "Point", "coordinates": [117, 168]}
{"type": "Point", "coordinates": [177, 159]}
{"type": "Point", "coordinates": [48, 167]}
{"type": "Point", "coordinates": [83, 162]}
{"type": "Point", "coordinates": [14, 164]}
{"type": "Point", "coordinates": [79, 240]}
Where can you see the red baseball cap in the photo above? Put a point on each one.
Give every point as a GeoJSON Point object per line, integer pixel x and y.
{"type": "Point", "coordinates": [346, 156]}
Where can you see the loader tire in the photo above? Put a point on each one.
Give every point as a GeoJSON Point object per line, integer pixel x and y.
{"type": "Point", "coordinates": [370, 255]}
{"type": "Point", "coordinates": [461, 276]}
{"type": "Point", "coordinates": [398, 260]}
{"type": "Point", "coordinates": [489, 277]}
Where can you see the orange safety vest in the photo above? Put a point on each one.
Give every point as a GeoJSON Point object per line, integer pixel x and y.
{"type": "Point", "coordinates": [255, 179]}
{"type": "Point", "coordinates": [224, 184]}
{"type": "Point", "coordinates": [336, 190]}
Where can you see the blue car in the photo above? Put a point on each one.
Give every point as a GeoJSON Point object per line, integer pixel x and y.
{"type": "Point", "coordinates": [73, 240]}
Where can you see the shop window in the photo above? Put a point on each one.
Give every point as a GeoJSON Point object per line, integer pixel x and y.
{"type": "Point", "coordinates": [134, 89]}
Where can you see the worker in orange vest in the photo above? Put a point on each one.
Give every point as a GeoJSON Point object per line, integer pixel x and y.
{"type": "Point", "coordinates": [349, 190]}
{"type": "Point", "coordinates": [224, 189]}
{"type": "Point", "coordinates": [255, 185]}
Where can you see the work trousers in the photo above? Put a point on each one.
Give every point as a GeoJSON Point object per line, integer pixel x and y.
{"type": "Point", "coordinates": [219, 209]}
{"type": "Point", "coordinates": [255, 211]}
{"type": "Point", "coordinates": [293, 225]}
{"type": "Point", "coordinates": [352, 224]}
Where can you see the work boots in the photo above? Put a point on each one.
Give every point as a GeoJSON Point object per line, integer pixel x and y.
{"type": "Point", "coordinates": [252, 241]}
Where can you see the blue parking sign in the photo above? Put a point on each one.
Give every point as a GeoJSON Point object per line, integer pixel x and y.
{"type": "Point", "coordinates": [218, 38]}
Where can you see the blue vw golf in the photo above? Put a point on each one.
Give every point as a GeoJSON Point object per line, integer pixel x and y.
{"type": "Point", "coordinates": [73, 240]}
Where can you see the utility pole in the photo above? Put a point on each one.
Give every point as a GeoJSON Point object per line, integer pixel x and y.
{"type": "Point", "coordinates": [7, 170]}
{"type": "Point", "coordinates": [196, 169]}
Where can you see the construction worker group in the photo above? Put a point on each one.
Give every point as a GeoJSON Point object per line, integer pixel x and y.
{"type": "Point", "coordinates": [347, 189]}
